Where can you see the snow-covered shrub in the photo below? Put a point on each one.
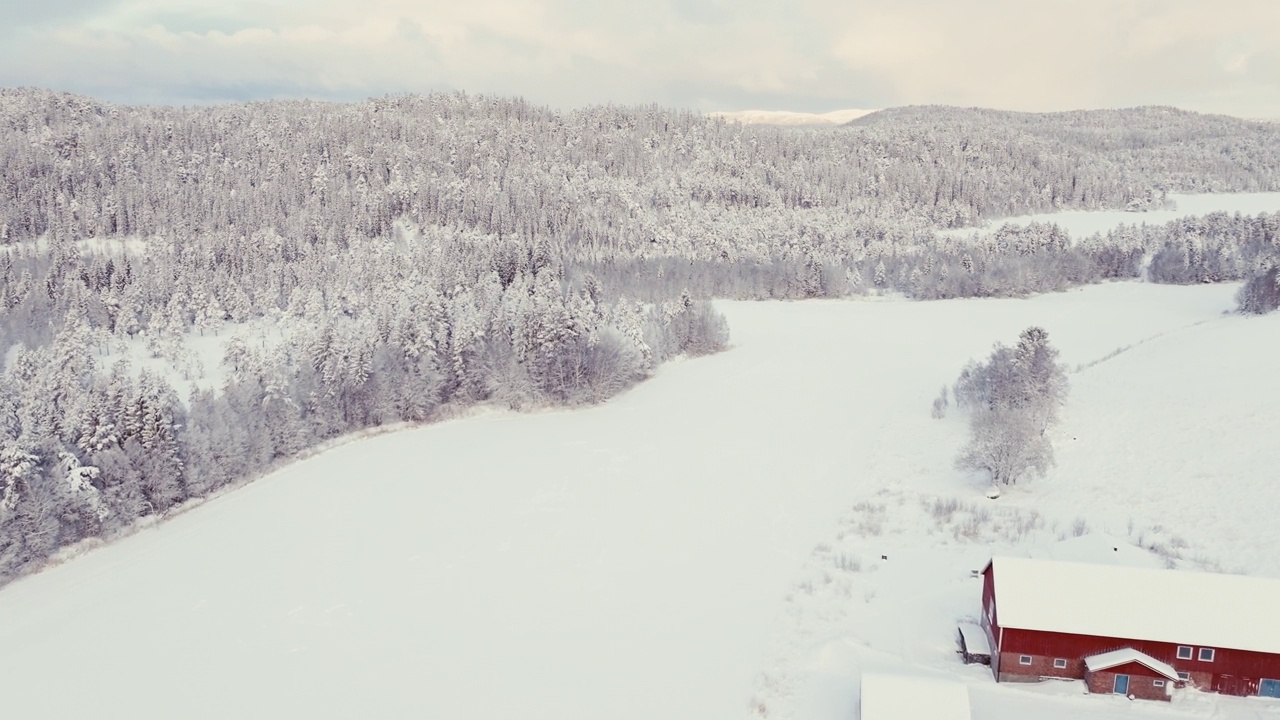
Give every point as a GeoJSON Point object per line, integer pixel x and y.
{"type": "Point", "coordinates": [1260, 293]}
{"type": "Point", "coordinates": [940, 404]}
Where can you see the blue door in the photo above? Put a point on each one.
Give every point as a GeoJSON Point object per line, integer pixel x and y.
{"type": "Point", "coordinates": [1122, 684]}
{"type": "Point", "coordinates": [1269, 688]}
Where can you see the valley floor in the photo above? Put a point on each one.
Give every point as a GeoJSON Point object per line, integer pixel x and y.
{"type": "Point", "coordinates": [705, 546]}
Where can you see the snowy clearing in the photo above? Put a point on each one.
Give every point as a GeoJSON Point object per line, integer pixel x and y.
{"type": "Point", "coordinates": [112, 247]}
{"type": "Point", "coordinates": [1083, 223]}
{"type": "Point", "coordinates": [198, 363]}
{"type": "Point", "coordinates": [707, 545]}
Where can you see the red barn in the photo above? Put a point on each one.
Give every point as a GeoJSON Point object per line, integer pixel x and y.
{"type": "Point", "coordinates": [1133, 631]}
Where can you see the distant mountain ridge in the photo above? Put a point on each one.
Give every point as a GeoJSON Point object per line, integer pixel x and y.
{"type": "Point", "coordinates": [788, 117]}
{"type": "Point", "coordinates": [1145, 117]}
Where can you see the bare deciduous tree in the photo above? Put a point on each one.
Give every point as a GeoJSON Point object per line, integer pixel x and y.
{"type": "Point", "coordinates": [1012, 400]}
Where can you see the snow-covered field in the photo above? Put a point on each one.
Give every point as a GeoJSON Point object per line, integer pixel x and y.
{"type": "Point", "coordinates": [706, 546]}
{"type": "Point", "coordinates": [1082, 223]}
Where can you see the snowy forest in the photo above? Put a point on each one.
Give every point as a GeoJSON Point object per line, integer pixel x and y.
{"type": "Point", "coordinates": [402, 258]}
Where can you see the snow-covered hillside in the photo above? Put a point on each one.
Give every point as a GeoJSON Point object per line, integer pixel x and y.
{"type": "Point", "coordinates": [650, 557]}
{"type": "Point", "coordinates": [789, 117]}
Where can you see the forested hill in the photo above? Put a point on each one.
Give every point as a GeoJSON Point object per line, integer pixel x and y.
{"type": "Point", "coordinates": [605, 176]}
{"type": "Point", "coordinates": [1170, 148]}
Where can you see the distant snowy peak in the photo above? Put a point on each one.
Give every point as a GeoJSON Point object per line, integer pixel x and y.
{"type": "Point", "coordinates": [787, 117]}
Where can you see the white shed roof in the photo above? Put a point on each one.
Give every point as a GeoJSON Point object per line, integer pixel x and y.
{"type": "Point", "coordinates": [911, 697]}
{"type": "Point", "coordinates": [1188, 608]}
{"type": "Point", "coordinates": [1124, 657]}
{"type": "Point", "coordinates": [975, 639]}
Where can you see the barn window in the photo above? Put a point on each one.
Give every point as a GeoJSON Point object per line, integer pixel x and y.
{"type": "Point", "coordinates": [1206, 654]}
{"type": "Point", "coordinates": [1060, 663]}
{"type": "Point", "coordinates": [1184, 676]}
{"type": "Point", "coordinates": [1184, 652]}
{"type": "Point", "coordinates": [1024, 659]}
{"type": "Point", "coordinates": [1158, 683]}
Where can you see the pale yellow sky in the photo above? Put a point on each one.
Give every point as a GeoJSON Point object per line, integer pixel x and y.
{"type": "Point", "coordinates": [807, 55]}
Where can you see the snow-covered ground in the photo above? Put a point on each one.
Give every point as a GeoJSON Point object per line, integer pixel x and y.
{"type": "Point", "coordinates": [1082, 223]}
{"type": "Point", "coordinates": [87, 246]}
{"type": "Point", "coordinates": [197, 362]}
{"type": "Point", "coordinates": [708, 545]}
{"type": "Point", "coordinates": [789, 117]}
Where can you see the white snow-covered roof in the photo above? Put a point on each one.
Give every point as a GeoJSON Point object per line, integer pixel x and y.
{"type": "Point", "coordinates": [1126, 656]}
{"type": "Point", "coordinates": [1188, 608]}
{"type": "Point", "coordinates": [912, 697]}
{"type": "Point", "coordinates": [975, 639]}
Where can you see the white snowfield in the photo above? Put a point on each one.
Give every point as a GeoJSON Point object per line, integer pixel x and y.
{"type": "Point", "coordinates": [1192, 608]}
{"type": "Point", "coordinates": [1101, 548]}
{"type": "Point", "coordinates": [909, 697]}
{"type": "Point", "coordinates": [635, 560]}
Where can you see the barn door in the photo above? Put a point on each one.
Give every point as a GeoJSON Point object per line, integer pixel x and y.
{"type": "Point", "coordinates": [1122, 685]}
{"type": "Point", "coordinates": [1269, 688]}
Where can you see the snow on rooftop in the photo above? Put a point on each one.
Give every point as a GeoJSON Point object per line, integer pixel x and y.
{"type": "Point", "coordinates": [1190, 608]}
{"type": "Point", "coordinates": [975, 639]}
{"type": "Point", "coordinates": [912, 697]}
{"type": "Point", "coordinates": [1125, 656]}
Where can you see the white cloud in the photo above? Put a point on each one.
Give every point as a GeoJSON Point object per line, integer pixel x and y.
{"type": "Point", "coordinates": [804, 55]}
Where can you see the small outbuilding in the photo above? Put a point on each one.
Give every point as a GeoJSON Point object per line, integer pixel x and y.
{"type": "Point", "coordinates": [1131, 673]}
{"type": "Point", "coordinates": [974, 647]}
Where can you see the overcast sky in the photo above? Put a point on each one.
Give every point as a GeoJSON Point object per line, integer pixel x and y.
{"type": "Point", "coordinates": [808, 55]}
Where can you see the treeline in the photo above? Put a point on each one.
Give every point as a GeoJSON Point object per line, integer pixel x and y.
{"type": "Point", "coordinates": [1012, 261]}
{"type": "Point", "coordinates": [1017, 260]}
